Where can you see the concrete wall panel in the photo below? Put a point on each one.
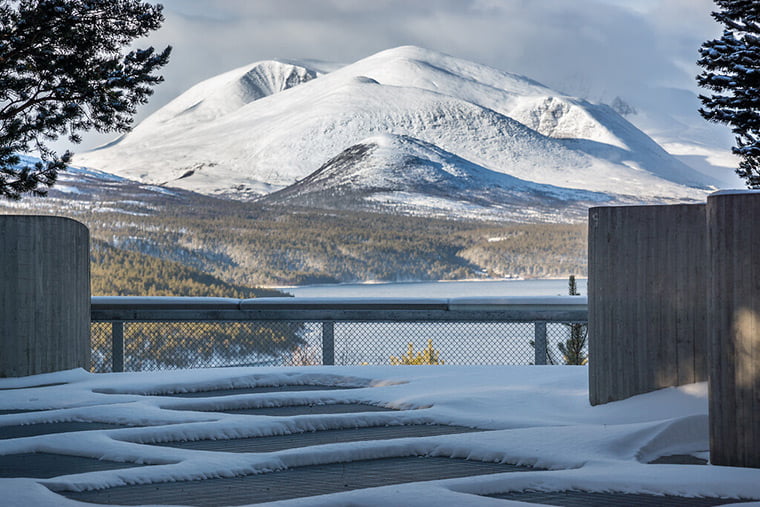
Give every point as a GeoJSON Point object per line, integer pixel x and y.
{"type": "Point", "coordinates": [44, 295]}
{"type": "Point", "coordinates": [647, 299]}
{"type": "Point", "coordinates": [734, 328]}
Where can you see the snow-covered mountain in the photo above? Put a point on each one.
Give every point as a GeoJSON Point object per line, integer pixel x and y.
{"type": "Point", "coordinates": [408, 175]}
{"type": "Point", "coordinates": [403, 128]}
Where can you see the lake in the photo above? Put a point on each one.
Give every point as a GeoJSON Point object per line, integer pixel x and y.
{"type": "Point", "coordinates": [457, 343]}
{"type": "Point", "coordinates": [475, 288]}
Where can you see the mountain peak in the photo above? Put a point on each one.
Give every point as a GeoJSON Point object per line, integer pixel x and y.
{"type": "Point", "coordinates": [392, 171]}
{"type": "Point", "coordinates": [228, 92]}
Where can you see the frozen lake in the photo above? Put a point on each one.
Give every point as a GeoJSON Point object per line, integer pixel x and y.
{"type": "Point", "coordinates": [478, 288]}
{"type": "Point", "coordinates": [458, 343]}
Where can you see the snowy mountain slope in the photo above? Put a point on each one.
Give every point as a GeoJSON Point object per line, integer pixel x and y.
{"type": "Point", "coordinates": [532, 104]}
{"type": "Point", "coordinates": [518, 97]}
{"type": "Point", "coordinates": [392, 171]}
{"type": "Point", "coordinates": [670, 116]}
{"type": "Point", "coordinates": [89, 193]}
{"type": "Point", "coordinates": [263, 127]}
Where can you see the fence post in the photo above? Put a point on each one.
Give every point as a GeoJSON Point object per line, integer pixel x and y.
{"type": "Point", "coordinates": [328, 342]}
{"type": "Point", "coordinates": [117, 346]}
{"type": "Point", "coordinates": [539, 339]}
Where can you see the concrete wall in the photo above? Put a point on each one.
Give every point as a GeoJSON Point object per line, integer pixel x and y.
{"type": "Point", "coordinates": [647, 299]}
{"type": "Point", "coordinates": [44, 295]}
{"type": "Point", "coordinates": [734, 328]}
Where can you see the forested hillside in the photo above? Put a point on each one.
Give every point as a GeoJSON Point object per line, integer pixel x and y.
{"type": "Point", "coordinates": [293, 247]}
{"type": "Point", "coordinates": [116, 272]}
{"type": "Point", "coordinates": [531, 250]}
{"type": "Point", "coordinates": [179, 243]}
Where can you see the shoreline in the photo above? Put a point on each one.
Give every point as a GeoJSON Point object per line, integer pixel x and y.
{"type": "Point", "coordinates": [412, 282]}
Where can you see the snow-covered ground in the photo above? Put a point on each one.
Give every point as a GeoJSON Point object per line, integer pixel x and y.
{"type": "Point", "coordinates": [541, 414]}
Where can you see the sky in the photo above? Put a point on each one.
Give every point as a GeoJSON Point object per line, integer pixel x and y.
{"type": "Point", "coordinates": [596, 49]}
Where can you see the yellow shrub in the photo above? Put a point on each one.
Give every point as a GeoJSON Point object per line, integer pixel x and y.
{"type": "Point", "coordinates": [427, 356]}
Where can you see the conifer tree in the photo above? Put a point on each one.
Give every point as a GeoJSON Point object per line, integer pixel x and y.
{"type": "Point", "coordinates": [572, 349]}
{"type": "Point", "coordinates": [732, 72]}
{"type": "Point", "coordinates": [63, 70]}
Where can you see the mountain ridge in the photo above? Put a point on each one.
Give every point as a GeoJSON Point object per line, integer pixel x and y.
{"type": "Point", "coordinates": [290, 120]}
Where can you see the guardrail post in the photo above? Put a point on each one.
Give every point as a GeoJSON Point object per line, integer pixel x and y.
{"type": "Point", "coordinates": [117, 346]}
{"type": "Point", "coordinates": [539, 339]}
{"type": "Point", "coordinates": [328, 342]}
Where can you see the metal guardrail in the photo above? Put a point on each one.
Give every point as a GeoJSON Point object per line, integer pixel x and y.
{"type": "Point", "coordinates": [328, 311]}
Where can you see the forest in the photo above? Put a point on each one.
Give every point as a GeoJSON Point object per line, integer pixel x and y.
{"type": "Point", "coordinates": [152, 345]}
{"type": "Point", "coordinates": [276, 247]}
{"type": "Point", "coordinates": [117, 272]}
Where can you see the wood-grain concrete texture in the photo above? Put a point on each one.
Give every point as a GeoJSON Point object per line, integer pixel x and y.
{"type": "Point", "coordinates": [734, 328]}
{"type": "Point", "coordinates": [647, 299]}
{"type": "Point", "coordinates": [44, 295]}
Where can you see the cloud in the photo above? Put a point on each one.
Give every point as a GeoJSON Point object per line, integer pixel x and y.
{"type": "Point", "coordinates": [594, 47]}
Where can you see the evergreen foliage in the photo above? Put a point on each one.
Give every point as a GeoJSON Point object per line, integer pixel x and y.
{"type": "Point", "coordinates": [528, 250]}
{"type": "Point", "coordinates": [116, 272]}
{"type": "Point", "coordinates": [573, 349]}
{"type": "Point", "coordinates": [150, 345]}
{"type": "Point", "coordinates": [732, 71]}
{"type": "Point", "coordinates": [428, 355]}
{"type": "Point", "coordinates": [62, 71]}
{"type": "Point", "coordinates": [170, 345]}
{"type": "Point", "coordinates": [275, 246]}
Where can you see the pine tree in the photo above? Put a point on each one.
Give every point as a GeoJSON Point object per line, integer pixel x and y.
{"type": "Point", "coordinates": [62, 71]}
{"type": "Point", "coordinates": [572, 286]}
{"type": "Point", "coordinates": [572, 349]}
{"type": "Point", "coordinates": [732, 71]}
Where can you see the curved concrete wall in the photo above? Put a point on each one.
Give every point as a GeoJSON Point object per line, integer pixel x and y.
{"type": "Point", "coordinates": [734, 328]}
{"type": "Point", "coordinates": [647, 299]}
{"type": "Point", "coordinates": [44, 295]}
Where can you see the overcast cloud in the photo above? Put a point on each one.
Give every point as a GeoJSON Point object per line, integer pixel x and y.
{"type": "Point", "coordinates": [597, 49]}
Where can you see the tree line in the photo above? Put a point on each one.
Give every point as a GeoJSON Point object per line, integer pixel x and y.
{"type": "Point", "coordinates": [277, 246]}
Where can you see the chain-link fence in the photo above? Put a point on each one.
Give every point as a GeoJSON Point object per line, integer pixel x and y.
{"type": "Point", "coordinates": [158, 345]}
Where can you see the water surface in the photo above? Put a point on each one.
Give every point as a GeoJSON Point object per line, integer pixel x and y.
{"type": "Point", "coordinates": [478, 288]}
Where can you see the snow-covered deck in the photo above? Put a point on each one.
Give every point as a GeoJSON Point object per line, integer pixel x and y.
{"type": "Point", "coordinates": [541, 418]}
